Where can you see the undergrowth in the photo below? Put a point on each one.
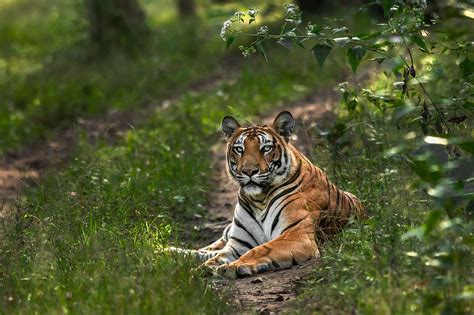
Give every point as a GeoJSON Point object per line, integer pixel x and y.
{"type": "Point", "coordinates": [50, 75]}
{"type": "Point", "coordinates": [383, 265]}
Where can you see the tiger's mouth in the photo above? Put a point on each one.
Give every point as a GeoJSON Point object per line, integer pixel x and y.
{"type": "Point", "coordinates": [251, 183]}
{"type": "Point", "coordinates": [253, 188]}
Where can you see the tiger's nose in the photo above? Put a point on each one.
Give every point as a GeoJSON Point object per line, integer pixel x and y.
{"type": "Point", "coordinates": [250, 171]}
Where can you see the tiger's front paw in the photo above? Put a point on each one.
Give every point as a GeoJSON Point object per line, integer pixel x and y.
{"type": "Point", "coordinates": [238, 269]}
{"type": "Point", "coordinates": [212, 264]}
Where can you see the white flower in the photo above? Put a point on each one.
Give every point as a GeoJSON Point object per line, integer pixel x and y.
{"type": "Point", "coordinates": [225, 28]}
{"type": "Point", "coordinates": [252, 12]}
{"type": "Point", "coordinates": [247, 51]}
{"type": "Point", "coordinates": [291, 9]}
{"type": "Point", "coordinates": [263, 30]}
{"type": "Point", "coordinates": [239, 15]}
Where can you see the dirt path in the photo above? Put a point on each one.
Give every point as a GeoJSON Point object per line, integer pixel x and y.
{"type": "Point", "coordinates": [269, 292]}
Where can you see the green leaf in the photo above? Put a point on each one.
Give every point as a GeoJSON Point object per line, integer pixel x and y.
{"type": "Point", "coordinates": [355, 55]}
{"type": "Point", "coordinates": [380, 60]}
{"type": "Point", "coordinates": [261, 50]}
{"type": "Point", "coordinates": [368, 35]}
{"type": "Point", "coordinates": [321, 52]}
{"type": "Point", "coordinates": [352, 105]}
{"type": "Point", "coordinates": [342, 41]}
{"type": "Point", "coordinates": [420, 42]}
{"type": "Point", "coordinates": [417, 232]}
{"type": "Point", "coordinates": [470, 209]}
{"type": "Point", "coordinates": [286, 42]}
{"type": "Point", "coordinates": [464, 143]}
{"type": "Point", "coordinates": [229, 41]}
{"type": "Point", "coordinates": [432, 221]}
{"type": "Point", "coordinates": [467, 68]}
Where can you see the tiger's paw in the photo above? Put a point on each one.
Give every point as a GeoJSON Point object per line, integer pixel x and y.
{"type": "Point", "coordinates": [211, 265]}
{"type": "Point", "coordinates": [239, 270]}
{"type": "Point", "coordinates": [229, 271]}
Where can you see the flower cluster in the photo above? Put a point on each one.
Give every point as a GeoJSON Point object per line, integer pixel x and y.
{"type": "Point", "coordinates": [225, 28]}
{"type": "Point", "coordinates": [291, 9]}
{"type": "Point", "coordinates": [239, 15]}
{"type": "Point", "coordinates": [252, 12]}
{"type": "Point", "coordinates": [247, 51]}
{"type": "Point", "coordinates": [263, 30]}
{"type": "Point", "coordinates": [293, 14]}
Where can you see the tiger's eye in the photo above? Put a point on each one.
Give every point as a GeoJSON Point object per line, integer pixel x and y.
{"type": "Point", "coordinates": [267, 148]}
{"type": "Point", "coordinates": [239, 150]}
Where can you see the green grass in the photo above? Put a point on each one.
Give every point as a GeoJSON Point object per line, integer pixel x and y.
{"type": "Point", "coordinates": [365, 268]}
{"type": "Point", "coordinates": [372, 267]}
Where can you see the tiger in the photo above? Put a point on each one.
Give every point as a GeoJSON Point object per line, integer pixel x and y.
{"type": "Point", "coordinates": [283, 203]}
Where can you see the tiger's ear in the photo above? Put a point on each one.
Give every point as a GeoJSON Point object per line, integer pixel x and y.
{"type": "Point", "coordinates": [229, 125]}
{"type": "Point", "coordinates": [284, 124]}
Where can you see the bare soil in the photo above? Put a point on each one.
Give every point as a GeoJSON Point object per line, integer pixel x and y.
{"type": "Point", "coordinates": [269, 292]}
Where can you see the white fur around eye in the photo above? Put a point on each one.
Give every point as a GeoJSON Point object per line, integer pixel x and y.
{"type": "Point", "coordinates": [267, 148]}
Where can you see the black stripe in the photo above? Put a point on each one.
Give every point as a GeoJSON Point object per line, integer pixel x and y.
{"type": "Point", "coordinates": [277, 217]}
{"type": "Point", "coordinates": [249, 211]}
{"type": "Point", "coordinates": [226, 232]}
{"type": "Point", "coordinates": [245, 204]}
{"type": "Point", "coordinates": [293, 261]}
{"type": "Point", "coordinates": [329, 193]}
{"type": "Point", "coordinates": [351, 203]}
{"type": "Point", "coordinates": [241, 242]}
{"type": "Point", "coordinates": [291, 180]}
{"type": "Point", "coordinates": [274, 199]}
{"type": "Point", "coordinates": [337, 198]}
{"type": "Point", "coordinates": [240, 225]}
{"type": "Point", "coordinates": [235, 253]}
{"type": "Point", "coordinates": [274, 165]}
{"type": "Point", "coordinates": [292, 225]}
{"type": "Point", "coordinates": [275, 264]}
{"type": "Point", "coordinates": [297, 185]}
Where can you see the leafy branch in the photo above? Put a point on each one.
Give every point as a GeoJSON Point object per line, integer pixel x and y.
{"type": "Point", "coordinates": [404, 29]}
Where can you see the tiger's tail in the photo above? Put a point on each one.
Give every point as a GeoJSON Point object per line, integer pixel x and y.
{"type": "Point", "coordinates": [356, 207]}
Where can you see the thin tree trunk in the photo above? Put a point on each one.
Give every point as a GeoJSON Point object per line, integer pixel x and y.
{"type": "Point", "coordinates": [313, 6]}
{"type": "Point", "coordinates": [186, 8]}
{"type": "Point", "coordinates": [115, 22]}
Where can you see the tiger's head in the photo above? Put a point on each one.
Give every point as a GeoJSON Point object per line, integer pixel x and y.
{"type": "Point", "coordinates": [258, 157]}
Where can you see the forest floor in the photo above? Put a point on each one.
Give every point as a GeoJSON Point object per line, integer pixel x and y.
{"type": "Point", "coordinates": [265, 293]}
{"type": "Point", "coordinates": [271, 291]}
{"type": "Point", "coordinates": [30, 164]}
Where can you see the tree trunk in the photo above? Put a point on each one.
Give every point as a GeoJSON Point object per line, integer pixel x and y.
{"type": "Point", "coordinates": [115, 22]}
{"type": "Point", "coordinates": [313, 6]}
{"type": "Point", "coordinates": [186, 8]}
